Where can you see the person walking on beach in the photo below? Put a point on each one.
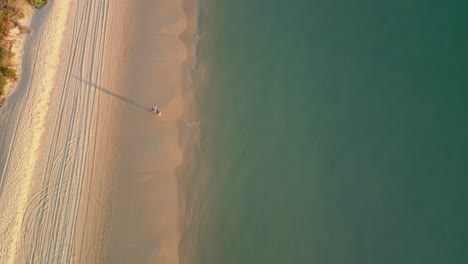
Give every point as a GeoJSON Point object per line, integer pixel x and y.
{"type": "Point", "coordinates": [156, 110]}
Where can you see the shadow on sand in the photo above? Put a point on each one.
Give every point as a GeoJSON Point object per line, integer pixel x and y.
{"type": "Point", "coordinates": [122, 98]}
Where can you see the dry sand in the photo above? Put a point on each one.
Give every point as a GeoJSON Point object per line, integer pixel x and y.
{"type": "Point", "coordinates": [87, 171]}
{"type": "Point", "coordinates": [56, 135]}
{"type": "Point", "coordinates": [22, 126]}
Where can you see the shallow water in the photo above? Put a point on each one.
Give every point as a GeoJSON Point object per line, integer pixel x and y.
{"type": "Point", "coordinates": [331, 132]}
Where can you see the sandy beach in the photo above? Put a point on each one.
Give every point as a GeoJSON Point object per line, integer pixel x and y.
{"type": "Point", "coordinates": [146, 212]}
{"type": "Point", "coordinates": [87, 171]}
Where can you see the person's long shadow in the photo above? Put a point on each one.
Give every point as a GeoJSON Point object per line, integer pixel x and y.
{"type": "Point", "coordinates": [122, 98]}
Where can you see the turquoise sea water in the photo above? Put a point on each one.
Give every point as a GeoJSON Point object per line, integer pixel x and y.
{"type": "Point", "coordinates": [330, 132]}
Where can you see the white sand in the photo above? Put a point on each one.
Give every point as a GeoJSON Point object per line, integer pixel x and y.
{"type": "Point", "coordinates": [22, 126]}
{"type": "Point", "coordinates": [56, 135]}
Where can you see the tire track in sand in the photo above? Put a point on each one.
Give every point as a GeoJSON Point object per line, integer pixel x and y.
{"type": "Point", "coordinates": [51, 221]}
{"type": "Point", "coordinates": [24, 127]}
{"type": "Point", "coordinates": [55, 141]}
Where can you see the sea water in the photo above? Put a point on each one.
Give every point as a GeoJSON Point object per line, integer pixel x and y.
{"type": "Point", "coordinates": [329, 132]}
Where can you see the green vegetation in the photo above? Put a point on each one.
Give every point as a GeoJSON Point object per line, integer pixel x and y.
{"type": "Point", "coordinates": [10, 13]}
{"type": "Point", "coordinates": [38, 3]}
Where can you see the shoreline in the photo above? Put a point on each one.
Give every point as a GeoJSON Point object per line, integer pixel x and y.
{"type": "Point", "coordinates": [188, 124]}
